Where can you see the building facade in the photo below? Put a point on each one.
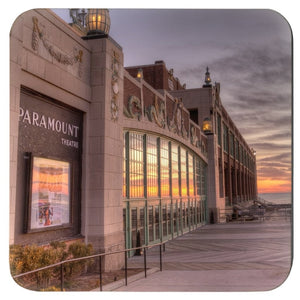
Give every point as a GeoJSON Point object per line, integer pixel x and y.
{"type": "Point", "coordinates": [231, 177]}
{"type": "Point", "coordinates": [101, 153]}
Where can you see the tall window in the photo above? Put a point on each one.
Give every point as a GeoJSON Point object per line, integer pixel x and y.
{"type": "Point", "coordinates": [237, 150]}
{"type": "Point", "coordinates": [136, 165]}
{"type": "Point", "coordinates": [175, 178]}
{"type": "Point", "coordinates": [183, 172]}
{"type": "Point", "coordinates": [191, 175]}
{"type": "Point", "coordinates": [198, 176]}
{"type": "Point", "coordinates": [231, 144]}
{"type": "Point", "coordinates": [219, 130]}
{"type": "Point", "coordinates": [203, 177]}
{"type": "Point", "coordinates": [152, 168]}
{"type": "Point", "coordinates": [156, 167]}
{"type": "Point", "coordinates": [164, 168]}
{"type": "Point", "coordinates": [225, 138]}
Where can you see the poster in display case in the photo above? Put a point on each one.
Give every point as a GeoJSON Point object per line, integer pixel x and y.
{"type": "Point", "coordinates": [50, 193]}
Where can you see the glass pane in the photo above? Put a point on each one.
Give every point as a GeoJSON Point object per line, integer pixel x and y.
{"type": "Point", "coordinates": [164, 168]}
{"type": "Point", "coordinates": [191, 175]}
{"type": "Point", "coordinates": [152, 168]}
{"type": "Point", "coordinates": [175, 178]}
{"type": "Point", "coordinates": [136, 165]}
{"type": "Point", "coordinates": [183, 172]}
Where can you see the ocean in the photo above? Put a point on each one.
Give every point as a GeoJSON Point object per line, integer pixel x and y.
{"type": "Point", "coordinates": [277, 198]}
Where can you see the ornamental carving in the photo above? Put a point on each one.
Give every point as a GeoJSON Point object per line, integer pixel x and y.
{"type": "Point", "coordinates": [115, 86]}
{"type": "Point", "coordinates": [57, 54]}
{"type": "Point", "coordinates": [157, 112]}
{"type": "Point", "coordinates": [176, 124]}
{"type": "Point", "coordinates": [194, 138]}
{"type": "Point", "coordinates": [134, 108]}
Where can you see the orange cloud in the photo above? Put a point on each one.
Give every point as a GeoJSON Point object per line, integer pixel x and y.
{"type": "Point", "coordinates": [273, 186]}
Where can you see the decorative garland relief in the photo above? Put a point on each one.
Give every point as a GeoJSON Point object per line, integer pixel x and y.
{"type": "Point", "coordinates": [57, 54]}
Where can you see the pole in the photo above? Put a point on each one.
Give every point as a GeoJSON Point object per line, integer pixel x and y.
{"type": "Point", "coordinates": [160, 258]}
{"type": "Point", "coordinates": [145, 263]}
{"type": "Point", "coordinates": [125, 267]}
{"type": "Point", "coordinates": [100, 270]}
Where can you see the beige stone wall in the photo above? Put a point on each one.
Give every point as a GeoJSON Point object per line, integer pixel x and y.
{"type": "Point", "coordinates": [49, 57]}
{"type": "Point", "coordinates": [104, 165]}
{"type": "Point", "coordinates": [43, 53]}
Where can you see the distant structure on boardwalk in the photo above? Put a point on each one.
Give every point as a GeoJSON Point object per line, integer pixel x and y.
{"type": "Point", "coordinates": [106, 154]}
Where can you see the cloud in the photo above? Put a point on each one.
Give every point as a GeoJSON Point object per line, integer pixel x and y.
{"type": "Point", "coordinates": [274, 173]}
{"type": "Point", "coordinates": [283, 157]}
{"type": "Point", "coordinates": [271, 146]}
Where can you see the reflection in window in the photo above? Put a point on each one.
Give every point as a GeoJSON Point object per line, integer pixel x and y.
{"type": "Point", "coordinates": [191, 175]}
{"type": "Point", "coordinates": [153, 162]}
{"type": "Point", "coordinates": [198, 176]}
{"type": "Point", "coordinates": [136, 166]}
{"type": "Point", "coordinates": [203, 177]}
{"type": "Point", "coordinates": [152, 169]}
{"type": "Point", "coordinates": [183, 172]}
{"type": "Point", "coordinates": [175, 178]}
{"type": "Point", "coordinates": [164, 168]}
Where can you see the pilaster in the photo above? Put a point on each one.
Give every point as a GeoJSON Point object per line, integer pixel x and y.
{"type": "Point", "coordinates": [104, 207]}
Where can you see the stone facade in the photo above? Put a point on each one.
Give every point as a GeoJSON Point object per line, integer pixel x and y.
{"type": "Point", "coordinates": [231, 161]}
{"type": "Point", "coordinates": [51, 59]}
{"type": "Point", "coordinates": [61, 84]}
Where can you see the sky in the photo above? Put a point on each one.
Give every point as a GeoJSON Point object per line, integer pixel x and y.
{"type": "Point", "coordinates": [248, 51]}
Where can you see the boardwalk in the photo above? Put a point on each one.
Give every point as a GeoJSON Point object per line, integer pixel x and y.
{"type": "Point", "coordinates": [254, 256]}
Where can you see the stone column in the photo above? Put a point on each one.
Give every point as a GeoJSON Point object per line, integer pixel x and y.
{"type": "Point", "coordinates": [213, 204]}
{"type": "Point", "coordinates": [103, 210]}
{"type": "Point", "coordinates": [16, 43]}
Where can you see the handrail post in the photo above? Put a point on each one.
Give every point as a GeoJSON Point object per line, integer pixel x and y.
{"type": "Point", "coordinates": [145, 262]}
{"type": "Point", "coordinates": [125, 267]}
{"type": "Point", "coordinates": [61, 277]}
{"type": "Point", "coordinates": [160, 258]}
{"type": "Point", "coordinates": [100, 270]}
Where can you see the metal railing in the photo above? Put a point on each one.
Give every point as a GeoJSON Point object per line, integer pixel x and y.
{"type": "Point", "coordinates": [101, 255]}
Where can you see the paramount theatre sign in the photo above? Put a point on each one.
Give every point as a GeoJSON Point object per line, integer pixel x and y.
{"type": "Point", "coordinates": [49, 165]}
{"type": "Point", "coordinates": [52, 124]}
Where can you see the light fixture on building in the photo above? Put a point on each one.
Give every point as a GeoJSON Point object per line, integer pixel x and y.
{"type": "Point", "coordinates": [97, 23]}
{"type": "Point", "coordinates": [207, 79]}
{"type": "Point", "coordinates": [78, 16]}
{"type": "Point", "coordinates": [207, 126]}
{"type": "Point", "coordinates": [253, 151]}
{"type": "Point", "coordinates": [140, 74]}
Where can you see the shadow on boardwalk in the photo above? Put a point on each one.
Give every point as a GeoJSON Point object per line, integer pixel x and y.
{"type": "Point", "coordinates": [250, 256]}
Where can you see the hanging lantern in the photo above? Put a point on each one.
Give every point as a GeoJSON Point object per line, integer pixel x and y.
{"type": "Point", "coordinates": [207, 126]}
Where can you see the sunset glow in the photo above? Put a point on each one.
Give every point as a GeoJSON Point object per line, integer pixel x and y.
{"type": "Point", "coordinates": [273, 186]}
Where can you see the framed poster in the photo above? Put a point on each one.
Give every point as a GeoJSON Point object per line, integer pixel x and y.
{"type": "Point", "coordinates": [50, 193]}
